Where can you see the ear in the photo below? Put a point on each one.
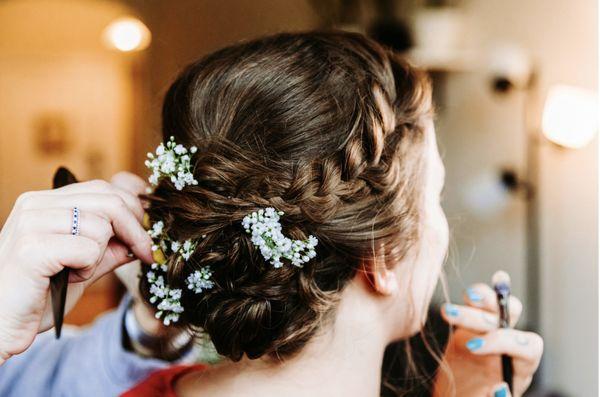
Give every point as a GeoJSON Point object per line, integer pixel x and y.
{"type": "Point", "coordinates": [382, 280]}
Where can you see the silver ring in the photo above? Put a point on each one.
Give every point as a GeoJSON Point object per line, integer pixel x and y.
{"type": "Point", "coordinates": [75, 222]}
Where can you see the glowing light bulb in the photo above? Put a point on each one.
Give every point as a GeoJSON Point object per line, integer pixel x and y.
{"type": "Point", "coordinates": [570, 116]}
{"type": "Point", "coordinates": [127, 34]}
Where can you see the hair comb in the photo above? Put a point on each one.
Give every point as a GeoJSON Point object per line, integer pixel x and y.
{"type": "Point", "coordinates": [60, 281]}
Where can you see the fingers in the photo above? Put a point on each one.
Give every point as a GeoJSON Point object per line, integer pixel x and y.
{"type": "Point", "coordinates": [483, 296]}
{"type": "Point", "coordinates": [105, 210]}
{"type": "Point", "coordinates": [125, 225]}
{"type": "Point", "coordinates": [473, 319]}
{"type": "Point", "coordinates": [114, 256]}
{"type": "Point", "coordinates": [33, 200]}
{"type": "Point", "coordinates": [526, 346]}
{"type": "Point", "coordinates": [102, 187]}
{"type": "Point", "coordinates": [87, 263]}
{"type": "Point", "coordinates": [58, 221]}
{"type": "Point", "coordinates": [129, 182]}
{"type": "Point", "coordinates": [58, 251]}
{"type": "Point", "coordinates": [500, 390]}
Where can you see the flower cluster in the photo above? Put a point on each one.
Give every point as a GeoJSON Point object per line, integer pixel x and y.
{"type": "Point", "coordinates": [172, 161]}
{"type": "Point", "coordinates": [185, 250]}
{"type": "Point", "coordinates": [267, 235]}
{"type": "Point", "coordinates": [169, 299]}
{"type": "Point", "coordinates": [170, 303]}
{"type": "Point", "coordinates": [157, 229]}
{"type": "Point", "coordinates": [200, 280]}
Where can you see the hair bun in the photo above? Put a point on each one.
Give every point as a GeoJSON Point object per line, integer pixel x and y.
{"type": "Point", "coordinates": [237, 326]}
{"type": "Point", "coordinates": [270, 314]}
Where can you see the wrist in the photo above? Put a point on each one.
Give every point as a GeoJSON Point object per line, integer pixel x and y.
{"type": "Point", "coordinates": [3, 356]}
{"type": "Point", "coordinates": [152, 338]}
{"type": "Point", "coordinates": [4, 345]}
{"type": "Point", "coordinates": [146, 321]}
{"type": "Point", "coordinates": [4, 339]}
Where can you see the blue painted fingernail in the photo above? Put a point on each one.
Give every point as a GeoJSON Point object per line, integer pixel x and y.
{"type": "Point", "coordinates": [501, 392]}
{"type": "Point", "coordinates": [474, 344]}
{"type": "Point", "coordinates": [474, 296]}
{"type": "Point", "coordinates": [451, 310]}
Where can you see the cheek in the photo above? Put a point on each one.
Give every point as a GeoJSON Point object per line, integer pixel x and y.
{"type": "Point", "coordinates": [418, 277]}
{"type": "Point", "coordinates": [440, 236]}
{"type": "Point", "coordinates": [434, 245]}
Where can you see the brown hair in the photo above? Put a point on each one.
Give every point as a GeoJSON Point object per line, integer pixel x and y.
{"type": "Point", "coordinates": [295, 122]}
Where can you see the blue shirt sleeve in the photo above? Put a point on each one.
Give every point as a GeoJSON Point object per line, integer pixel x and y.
{"type": "Point", "coordinates": [91, 362]}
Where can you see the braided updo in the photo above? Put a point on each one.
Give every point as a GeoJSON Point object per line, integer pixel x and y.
{"type": "Point", "coordinates": [327, 127]}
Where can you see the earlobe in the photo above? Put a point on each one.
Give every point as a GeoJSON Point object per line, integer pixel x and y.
{"type": "Point", "coordinates": [385, 281]}
{"type": "Point", "coordinates": [382, 280]}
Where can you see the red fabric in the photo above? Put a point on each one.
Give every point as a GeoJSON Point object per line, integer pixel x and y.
{"type": "Point", "coordinates": [161, 383]}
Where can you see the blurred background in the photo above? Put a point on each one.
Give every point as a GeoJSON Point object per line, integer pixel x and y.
{"type": "Point", "coordinates": [82, 82]}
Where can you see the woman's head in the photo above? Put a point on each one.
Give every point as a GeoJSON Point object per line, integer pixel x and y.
{"type": "Point", "coordinates": [336, 132]}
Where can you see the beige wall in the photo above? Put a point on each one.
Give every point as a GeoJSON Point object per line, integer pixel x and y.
{"type": "Point", "coordinates": [193, 28]}
{"type": "Point", "coordinates": [480, 131]}
{"type": "Point", "coordinates": [52, 62]}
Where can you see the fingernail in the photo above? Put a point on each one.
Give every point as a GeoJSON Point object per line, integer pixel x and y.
{"type": "Point", "coordinates": [474, 344]}
{"type": "Point", "coordinates": [501, 392]}
{"type": "Point", "coordinates": [474, 296]}
{"type": "Point", "coordinates": [451, 310]}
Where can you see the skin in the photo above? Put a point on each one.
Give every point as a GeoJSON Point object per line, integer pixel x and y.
{"type": "Point", "coordinates": [346, 358]}
{"type": "Point", "coordinates": [36, 243]}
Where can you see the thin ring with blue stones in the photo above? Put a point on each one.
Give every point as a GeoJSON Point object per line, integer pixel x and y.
{"type": "Point", "coordinates": [75, 222]}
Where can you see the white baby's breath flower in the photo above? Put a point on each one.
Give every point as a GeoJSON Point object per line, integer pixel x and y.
{"type": "Point", "coordinates": [266, 234]}
{"type": "Point", "coordinates": [156, 230]}
{"type": "Point", "coordinates": [187, 249]}
{"type": "Point", "coordinates": [172, 162]}
{"type": "Point", "coordinates": [167, 300]}
{"type": "Point", "coordinates": [153, 179]}
{"type": "Point", "coordinates": [200, 280]}
{"type": "Point", "coordinates": [179, 149]}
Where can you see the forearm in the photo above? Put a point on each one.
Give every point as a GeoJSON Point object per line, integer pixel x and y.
{"type": "Point", "coordinates": [62, 367]}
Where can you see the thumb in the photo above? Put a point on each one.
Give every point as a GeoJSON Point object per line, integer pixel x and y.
{"type": "Point", "coordinates": [500, 390]}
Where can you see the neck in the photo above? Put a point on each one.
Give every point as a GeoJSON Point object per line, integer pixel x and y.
{"type": "Point", "coordinates": [345, 360]}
